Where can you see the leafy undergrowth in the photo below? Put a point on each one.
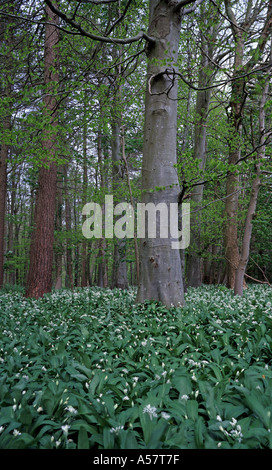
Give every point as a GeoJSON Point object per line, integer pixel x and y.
{"type": "Point", "coordinates": [89, 369]}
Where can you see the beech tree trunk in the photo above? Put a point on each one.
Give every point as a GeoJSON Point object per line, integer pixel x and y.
{"type": "Point", "coordinates": [39, 279]}
{"type": "Point", "coordinates": [160, 265]}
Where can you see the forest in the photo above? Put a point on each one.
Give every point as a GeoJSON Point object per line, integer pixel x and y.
{"type": "Point", "coordinates": [112, 335]}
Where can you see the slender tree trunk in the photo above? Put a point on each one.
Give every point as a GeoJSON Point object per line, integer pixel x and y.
{"type": "Point", "coordinates": [39, 279]}
{"type": "Point", "coordinates": [84, 199]}
{"type": "Point", "coordinates": [12, 213]}
{"type": "Point", "coordinates": [160, 266]}
{"type": "Point", "coordinates": [69, 248]}
{"type": "Point", "coordinates": [132, 204]}
{"type": "Point", "coordinates": [102, 270]}
{"type": "Point", "coordinates": [3, 198]}
{"type": "Point", "coordinates": [119, 275]}
{"type": "Point", "coordinates": [58, 246]}
{"type": "Point", "coordinates": [4, 148]}
{"type": "Point", "coordinates": [237, 103]}
{"type": "Point", "coordinates": [232, 184]}
{"type": "Point", "coordinates": [202, 108]}
{"type": "Point", "coordinates": [241, 268]}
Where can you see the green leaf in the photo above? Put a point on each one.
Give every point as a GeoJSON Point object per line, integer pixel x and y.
{"type": "Point", "coordinates": [26, 416]}
{"type": "Point", "coordinates": [199, 428]}
{"type": "Point", "coordinates": [94, 383]}
{"type": "Point", "coordinates": [128, 440]}
{"type": "Point", "coordinates": [192, 409]}
{"type": "Point", "coordinates": [108, 439]}
{"type": "Point", "coordinates": [155, 440]}
{"type": "Point", "coordinates": [82, 440]}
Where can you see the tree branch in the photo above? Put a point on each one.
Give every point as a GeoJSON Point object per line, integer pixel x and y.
{"type": "Point", "coordinates": [97, 2]}
{"type": "Point", "coordinates": [83, 32]}
{"type": "Point", "coordinates": [233, 23]}
{"type": "Point", "coordinates": [193, 8]}
{"type": "Point", "coordinates": [267, 281]}
{"type": "Point", "coordinates": [176, 74]}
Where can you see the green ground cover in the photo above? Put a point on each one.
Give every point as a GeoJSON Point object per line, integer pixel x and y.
{"type": "Point", "coordinates": [90, 369]}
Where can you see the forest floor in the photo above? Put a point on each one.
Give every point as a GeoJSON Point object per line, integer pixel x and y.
{"type": "Point", "coordinates": [90, 369]}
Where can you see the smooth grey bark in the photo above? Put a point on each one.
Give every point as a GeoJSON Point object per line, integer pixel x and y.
{"type": "Point", "coordinates": [160, 266]}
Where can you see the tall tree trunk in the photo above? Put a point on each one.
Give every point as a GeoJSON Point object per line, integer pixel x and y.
{"type": "Point", "coordinates": [84, 198]}
{"type": "Point", "coordinates": [237, 103]}
{"type": "Point", "coordinates": [102, 269]}
{"type": "Point", "coordinates": [12, 213]}
{"type": "Point", "coordinates": [58, 247]}
{"type": "Point", "coordinates": [232, 186]}
{"type": "Point", "coordinates": [69, 249]}
{"type": "Point", "coordinates": [241, 268]}
{"type": "Point", "coordinates": [202, 108]}
{"type": "Point", "coordinates": [160, 266]}
{"type": "Point", "coordinates": [132, 204]}
{"type": "Point", "coordinates": [3, 198]}
{"type": "Point", "coordinates": [39, 279]}
{"type": "Point", "coordinates": [119, 275]}
{"type": "Point", "coordinates": [4, 148]}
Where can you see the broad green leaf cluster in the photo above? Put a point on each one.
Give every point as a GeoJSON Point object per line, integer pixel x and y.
{"type": "Point", "coordinates": [90, 369]}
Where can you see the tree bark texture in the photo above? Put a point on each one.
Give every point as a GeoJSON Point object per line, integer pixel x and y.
{"type": "Point", "coordinates": [160, 266]}
{"type": "Point", "coordinates": [4, 148]}
{"type": "Point", "coordinates": [194, 278]}
{"type": "Point", "coordinates": [245, 250]}
{"type": "Point", "coordinates": [3, 197]}
{"type": "Point", "coordinates": [237, 103]}
{"type": "Point", "coordinates": [232, 184]}
{"type": "Point", "coordinates": [84, 255]}
{"type": "Point", "coordinates": [119, 274]}
{"type": "Point", "coordinates": [39, 279]}
{"type": "Point", "coordinates": [58, 249]}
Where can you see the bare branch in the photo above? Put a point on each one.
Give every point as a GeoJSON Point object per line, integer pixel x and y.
{"type": "Point", "coordinates": [267, 281]}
